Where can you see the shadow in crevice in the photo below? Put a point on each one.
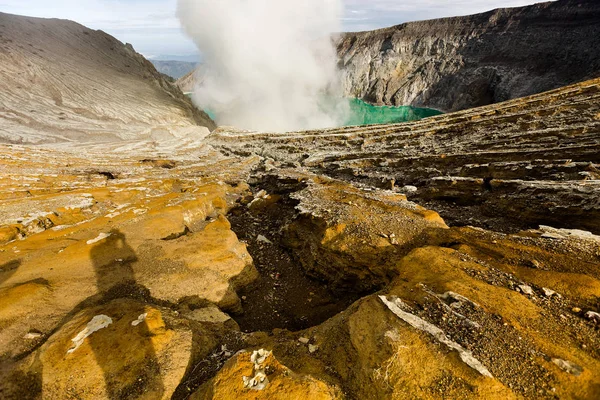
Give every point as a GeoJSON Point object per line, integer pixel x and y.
{"type": "Point", "coordinates": [8, 269]}
{"type": "Point", "coordinates": [285, 295]}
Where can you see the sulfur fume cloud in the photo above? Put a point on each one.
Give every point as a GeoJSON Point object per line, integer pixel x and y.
{"type": "Point", "coordinates": [268, 64]}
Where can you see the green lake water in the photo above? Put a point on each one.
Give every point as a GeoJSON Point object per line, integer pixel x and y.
{"type": "Point", "coordinates": [362, 113]}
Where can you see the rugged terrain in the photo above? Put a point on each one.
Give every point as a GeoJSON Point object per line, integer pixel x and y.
{"type": "Point", "coordinates": [191, 258]}
{"type": "Point", "coordinates": [453, 257]}
{"type": "Point", "coordinates": [480, 167]}
{"type": "Point", "coordinates": [457, 63]}
{"type": "Point", "coordinates": [63, 82]}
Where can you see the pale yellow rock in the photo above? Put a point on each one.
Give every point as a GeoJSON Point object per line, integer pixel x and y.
{"type": "Point", "coordinates": [281, 383]}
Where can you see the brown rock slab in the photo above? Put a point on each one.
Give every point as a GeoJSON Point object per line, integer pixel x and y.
{"type": "Point", "coordinates": [353, 237]}
{"type": "Point", "coordinates": [141, 352]}
{"type": "Point", "coordinates": [280, 382]}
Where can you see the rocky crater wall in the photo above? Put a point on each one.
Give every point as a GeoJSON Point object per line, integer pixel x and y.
{"type": "Point", "coordinates": [458, 63]}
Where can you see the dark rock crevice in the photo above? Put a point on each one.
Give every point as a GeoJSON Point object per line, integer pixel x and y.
{"type": "Point", "coordinates": [285, 296]}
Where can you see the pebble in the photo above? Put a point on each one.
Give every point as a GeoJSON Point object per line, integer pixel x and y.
{"type": "Point", "coordinates": [304, 340]}
{"type": "Point", "coordinates": [32, 335]}
{"type": "Point", "coordinates": [568, 366]}
{"type": "Point", "coordinates": [263, 239]}
{"type": "Point", "coordinates": [312, 348]}
{"type": "Point", "coordinates": [525, 289]}
{"type": "Point", "coordinates": [593, 316]}
{"type": "Point", "coordinates": [576, 310]}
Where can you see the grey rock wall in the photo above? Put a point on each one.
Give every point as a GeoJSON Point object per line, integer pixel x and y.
{"type": "Point", "coordinates": [458, 63]}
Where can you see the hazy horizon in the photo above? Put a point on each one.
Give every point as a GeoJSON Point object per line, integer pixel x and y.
{"type": "Point", "coordinates": [153, 29]}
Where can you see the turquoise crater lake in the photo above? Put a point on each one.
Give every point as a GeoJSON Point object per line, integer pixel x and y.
{"type": "Point", "coordinates": [363, 113]}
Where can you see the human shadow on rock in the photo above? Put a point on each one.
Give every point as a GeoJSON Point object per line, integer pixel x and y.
{"type": "Point", "coordinates": [112, 259]}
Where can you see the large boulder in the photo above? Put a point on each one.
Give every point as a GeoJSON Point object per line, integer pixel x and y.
{"type": "Point", "coordinates": [353, 238]}
{"type": "Point", "coordinates": [259, 375]}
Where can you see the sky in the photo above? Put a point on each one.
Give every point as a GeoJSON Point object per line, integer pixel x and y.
{"type": "Point", "coordinates": [153, 29]}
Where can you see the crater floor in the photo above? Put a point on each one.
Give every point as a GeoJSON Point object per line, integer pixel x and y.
{"type": "Point", "coordinates": [453, 257]}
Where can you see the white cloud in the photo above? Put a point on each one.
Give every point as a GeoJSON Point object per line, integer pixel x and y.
{"type": "Point", "coordinates": [382, 13]}
{"type": "Point", "coordinates": [151, 25]}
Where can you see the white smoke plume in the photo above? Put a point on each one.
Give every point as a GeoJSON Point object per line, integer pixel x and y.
{"type": "Point", "coordinates": [268, 64]}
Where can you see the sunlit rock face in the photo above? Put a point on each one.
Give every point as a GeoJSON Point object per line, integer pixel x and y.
{"type": "Point", "coordinates": [457, 63]}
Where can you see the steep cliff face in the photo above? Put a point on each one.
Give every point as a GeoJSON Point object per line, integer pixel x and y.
{"type": "Point", "coordinates": [457, 63]}
{"type": "Point", "coordinates": [60, 81]}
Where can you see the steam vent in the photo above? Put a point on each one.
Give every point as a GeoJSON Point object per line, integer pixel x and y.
{"type": "Point", "coordinates": [147, 253]}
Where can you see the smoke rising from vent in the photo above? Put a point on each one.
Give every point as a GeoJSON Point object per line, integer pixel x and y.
{"type": "Point", "coordinates": [268, 64]}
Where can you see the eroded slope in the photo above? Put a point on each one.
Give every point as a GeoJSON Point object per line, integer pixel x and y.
{"type": "Point", "coordinates": [60, 81]}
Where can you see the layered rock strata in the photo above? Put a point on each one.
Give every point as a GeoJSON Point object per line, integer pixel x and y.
{"type": "Point", "coordinates": [520, 164]}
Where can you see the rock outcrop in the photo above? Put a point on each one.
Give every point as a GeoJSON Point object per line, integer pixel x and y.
{"type": "Point", "coordinates": [479, 167]}
{"type": "Point", "coordinates": [457, 63]}
{"type": "Point", "coordinates": [263, 377]}
{"type": "Point", "coordinates": [63, 82]}
{"type": "Point", "coordinates": [154, 348]}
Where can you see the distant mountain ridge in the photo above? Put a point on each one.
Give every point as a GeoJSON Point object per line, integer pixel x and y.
{"type": "Point", "coordinates": [463, 62]}
{"type": "Point", "coordinates": [193, 58]}
{"type": "Point", "coordinates": [174, 69]}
